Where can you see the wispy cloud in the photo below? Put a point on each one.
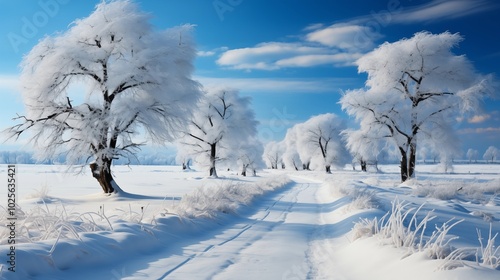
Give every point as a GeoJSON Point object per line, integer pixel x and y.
{"type": "Point", "coordinates": [206, 53]}
{"type": "Point", "coordinates": [277, 55]}
{"type": "Point", "coordinates": [337, 45]}
{"type": "Point", "coordinates": [280, 85]}
{"type": "Point", "coordinates": [342, 43]}
{"type": "Point", "coordinates": [441, 10]}
{"type": "Point", "coordinates": [347, 37]}
{"type": "Point", "coordinates": [480, 130]}
{"type": "Point", "coordinates": [212, 52]}
{"type": "Point", "coordinates": [479, 118]}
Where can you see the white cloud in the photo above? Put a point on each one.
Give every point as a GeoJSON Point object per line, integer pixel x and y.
{"type": "Point", "coordinates": [340, 44]}
{"type": "Point", "coordinates": [347, 37]}
{"type": "Point", "coordinates": [339, 59]}
{"type": "Point", "coordinates": [337, 45]}
{"type": "Point", "coordinates": [479, 119]}
{"type": "Point", "coordinates": [267, 56]}
{"type": "Point", "coordinates": [212, 52]}
{"type": "Point", "coordinates": [205, 53]}
{"type": "Point", "coordinates": [440, 10]}
{"type": "Point", "coordinates": [479, 130]}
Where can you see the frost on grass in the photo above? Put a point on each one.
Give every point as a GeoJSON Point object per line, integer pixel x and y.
{"type": "Point", "coordinates": [210, 201]}
{"type": "Point", "coordinates": [490, 254]}
{"type": "Point", "coordinates": [479, 192]}
{"type": "Point", "coordinates": [360, 194]}
{"type": "Point", "coordinates": [402, 229]}
{"type": "Point", "coordinates": [45, 222]}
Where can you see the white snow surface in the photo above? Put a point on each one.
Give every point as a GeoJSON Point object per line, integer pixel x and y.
{"type": "Point", "coordinates": [280, 225]}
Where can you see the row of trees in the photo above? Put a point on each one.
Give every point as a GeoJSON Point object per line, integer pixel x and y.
{"type": "Point", "coordinates": [416, 91]}
{"type": "Point", "coordinates": [491, 154]}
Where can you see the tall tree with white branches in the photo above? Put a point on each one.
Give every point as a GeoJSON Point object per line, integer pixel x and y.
{"type": "Point", "coordinates": [136, 79]}
{"type": "Point", "coordinates": [415, 88]}
{"type": "Point", "coordinates": [223, 119]}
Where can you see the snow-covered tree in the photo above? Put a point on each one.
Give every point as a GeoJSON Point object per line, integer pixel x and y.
{"type": "Point", "coordinates": [320, 136]}
{"type": "Point", "coordinates": [223, 119]}
{"type": "Point", "coordinates": [491, 154]}
{"type": "Point", "coordinates": [364, 150]}
{"type": "Point", "coordinates": [472, 155]}
{"type": "Point", "coordinates": [250, 156]}
{"type": "Point", "coordinates": [137, 79]}
{"type": "Point", "coordinates": [415, 88]}
{"type": "Point", "coordinates": [273, 154]}
{"type": "Point", "coordinates": [291, 157]}
{"type": "Point", "coordinates": [317, 140]}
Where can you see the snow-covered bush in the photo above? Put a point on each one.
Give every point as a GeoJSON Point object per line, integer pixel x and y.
{"type": "Point", "coordinates": [227, 197]}
{"type": "Point", "coordinates": [401, 229]}
{"type": "Point", "coordinates": [490, 254]}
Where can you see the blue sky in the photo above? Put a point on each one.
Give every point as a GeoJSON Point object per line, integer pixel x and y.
{"type": "Point", "coordinates": [294, 57]}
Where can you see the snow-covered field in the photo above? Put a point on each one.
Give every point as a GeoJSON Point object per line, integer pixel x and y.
{"type": "Point", "coordinates": [279, 225]}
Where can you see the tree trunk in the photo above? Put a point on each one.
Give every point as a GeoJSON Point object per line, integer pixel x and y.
{"type": "Point", "coordinates": [213, 153]}
{"type": "Point", "coordinates": [244, 170]}
{"type": "Point", "coordinates": [328, 169]}
{"type": "Point", "coordinates": [363, 165]}
{"type": "Point", "coordinates": [103, 175]}
{"type": "Point", "coordinates": [306, 166]}
{"type": "Point", "coordinates": [404, 166]}
{"type": "Point", "coordinates": [412, 162]}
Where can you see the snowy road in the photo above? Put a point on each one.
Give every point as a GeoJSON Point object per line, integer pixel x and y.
{"type": "Point", "coordinates": [270, 241]}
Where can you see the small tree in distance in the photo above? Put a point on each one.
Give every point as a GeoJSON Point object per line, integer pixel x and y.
{"type": "Point", "coordinates": [137, 80]}
{"type": "Point", "coordinates": [317, 141]}
{"type": "Point", "coordinates": [273, 154]}
{"type": "Point", "coordinates": [472, 155]}
{"type": "Point", "coordinates": [322, 134]}
{"type": "Point", "coordinates": [491, 154]}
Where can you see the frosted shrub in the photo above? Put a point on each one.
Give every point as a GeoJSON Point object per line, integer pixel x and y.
{"type": "Point", "coordinates": [209, 202]}
{"type": "Point", "coordinates": [46, 223]}
{"type": "Point", "coordinates": [366, 228]}
{"type": "Point", "coordinates": [391, 227]}
{"type": "Point", "coordinates": [362, 199]}
{"type": "Point", "coordinates": [490, 254]}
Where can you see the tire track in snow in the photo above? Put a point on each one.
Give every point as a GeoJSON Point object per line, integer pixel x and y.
{"type": "Point", "coordinates": [281, 229]}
